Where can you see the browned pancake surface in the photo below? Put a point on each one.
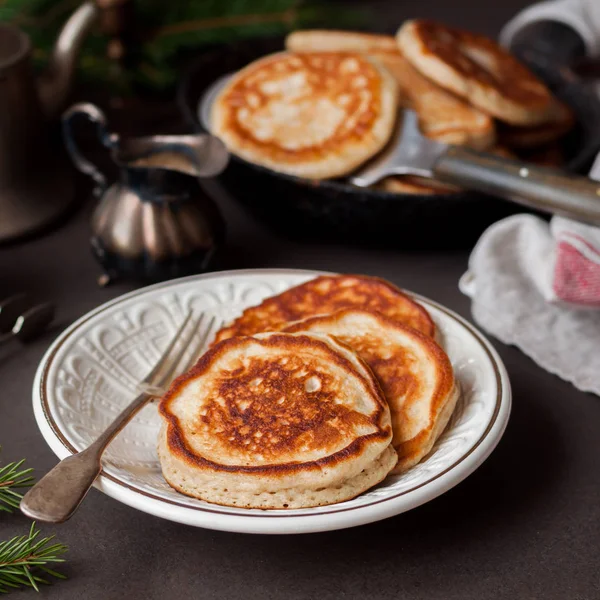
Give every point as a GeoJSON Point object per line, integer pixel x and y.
{"type": "Point", "coordinates": [279, 404]}
{"type": "Point", "coordinates": [477, 68]}
{"type": "Point", "coordinates": [414, 372]}
{"type": "Point", "coordinates": [442, 115]}
{"type": "Point", "coordinates": [413, 185]}
{"type": "Point", "coordinates": [466, 53]}
{"type": "Point", "coordinates": [559, 124]}
{"type": "Point", "coordinates": [316, 114]}
{"type": "Point", "coordinates": [331, 40]}
{"type": "Point", "coordinates": [273, 427]}
{"type": "Point", "coordinates": [327, 294]}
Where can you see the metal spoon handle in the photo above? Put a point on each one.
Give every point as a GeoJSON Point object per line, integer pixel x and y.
{"type": "Point", "coordinates": [10, 309]}
{"type": "Point", "coordinates": [58, 494]}
{"type": "Point", "coordinates": [30, 323]}
{"type": "Point", "coordinates": [547, 190]}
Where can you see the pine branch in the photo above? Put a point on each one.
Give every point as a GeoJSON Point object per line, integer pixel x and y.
{"type": "Point", "coordinates": [285, 17]}
{"type": "Point", "coordinates": [24, 561]}
{"type": "Point", "coordinates": [168, 32]}
{"type": "Point", "coordinates": [12, 478]}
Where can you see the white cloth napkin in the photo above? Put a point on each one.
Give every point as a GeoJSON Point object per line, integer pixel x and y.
{"type": "Point", "coordinates": [535, 285]}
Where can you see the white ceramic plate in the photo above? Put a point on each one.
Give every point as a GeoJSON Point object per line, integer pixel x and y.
{"type": "Point", "coordinates": [91, 370]}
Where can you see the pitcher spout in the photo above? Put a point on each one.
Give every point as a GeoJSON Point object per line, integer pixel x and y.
{"type": "Point", "coordinates": [55, 82]}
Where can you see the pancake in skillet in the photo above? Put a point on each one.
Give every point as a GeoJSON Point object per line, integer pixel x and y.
{"type": "Point", "coordinates": [558, 125]}
{"type": "Point", "coordinates": [477, 69]}
{"type": "Point", "coordinates": [332, 40]}
{"type": "Point", "coordinates": [411, 184]}
{"type": "Point", "coordinates": [327, 294]}
{"type": "Point", "coordinates": [315, 114]}
{"type": "Point", "coordinates": [276, 421]}
{"type": "Point", "coordinates": [442, 115]}
{"type": "Point", "coordinates": [414, 372]}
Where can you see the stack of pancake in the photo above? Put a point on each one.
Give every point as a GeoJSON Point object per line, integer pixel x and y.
{"type": "Point", "coordinates": [329, 103]}
{"type": "Point", "coordinates": [310, 398]}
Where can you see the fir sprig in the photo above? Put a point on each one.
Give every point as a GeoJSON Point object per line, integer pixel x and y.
{"type": "Point", "coordinates": [169, 34]}
{"type": "Point", "coordinates": [24, 560]}
{"type": "Point", "coordinates": [12, 478]}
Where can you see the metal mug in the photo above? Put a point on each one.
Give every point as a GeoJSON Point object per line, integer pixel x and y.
{"type": "Point", "coordinates": [29, 203]}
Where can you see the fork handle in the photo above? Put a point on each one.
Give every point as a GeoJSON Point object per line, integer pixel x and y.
{"type": "Point", "coordinates": [56, 496]}
{"type": "Point", "coordinates": [545, 189]}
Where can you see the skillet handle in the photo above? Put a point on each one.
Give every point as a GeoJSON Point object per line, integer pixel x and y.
{"type": "Point", "coordinates": [547, 190]}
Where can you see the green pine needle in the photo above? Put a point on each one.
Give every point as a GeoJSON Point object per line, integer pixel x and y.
{"type": "Point", "coordinates": [12, 478]}
{"type": "Point", "coordinates": [169, 34]}
{"type": "Point", "coordinates": [24, 561]}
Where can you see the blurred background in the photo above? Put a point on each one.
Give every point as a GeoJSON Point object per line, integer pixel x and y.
{"type": "Point", "coordinates": [144, 63]}
{"type": "Point", "coordinates": [139, 48]}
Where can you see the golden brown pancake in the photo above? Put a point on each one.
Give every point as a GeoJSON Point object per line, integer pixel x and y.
{"type": "Point", "coordinates": [330, 40]}
{"type": "Point", "coordinates": [276, 421]}
{"type": "Point", "coordinates": [327, 294]}
{"type": "Point", "coordinates": [314, 114]}
{"type": "Point", "coordinates": [410, 184]}
{"type": "Point", "coordinates": [477, 69]}
{"type": "Point", "coordinates": [560, 123]}
{"type": "Point", "coordinates": [414, 372]}
{"type": "Point", "coordinates": [442, 115]}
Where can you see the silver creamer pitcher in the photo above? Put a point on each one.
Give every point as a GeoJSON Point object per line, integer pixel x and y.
{"type": "Point", "coordinates": [153, 220]}
{"type": "Point", "coordinates": [36, 185]}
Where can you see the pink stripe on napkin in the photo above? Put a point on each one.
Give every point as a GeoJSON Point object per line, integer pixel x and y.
{"type": "Point", "coordinates": [576, 273]}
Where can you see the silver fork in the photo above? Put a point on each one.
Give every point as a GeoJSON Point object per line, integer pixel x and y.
{"type": "Point", "coordinates": [59, 493]}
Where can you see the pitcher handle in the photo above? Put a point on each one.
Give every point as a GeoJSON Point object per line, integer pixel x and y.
{"type": "Point", "coordinates": [109, 140]}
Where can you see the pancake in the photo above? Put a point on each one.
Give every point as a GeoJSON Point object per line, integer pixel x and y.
{"type": "Point", "coordinates": [410, 184]}
{"type": "Point", "coordinates": [314, 115]}
{"type": "Point", "coordinates": [442, 116]}
{"type": "Point", "coordinates": [477, 69]}
{"type": "Point", "coordinates": [330, 40]}
{"type": "Point", "coordinates": [560, 123]}
{"type": "Point", "coordinates": [327, 294]}
{"type": "Point", "coordinates": [276, 421]}
{"type": "Point", "coordinates": [414, 372]}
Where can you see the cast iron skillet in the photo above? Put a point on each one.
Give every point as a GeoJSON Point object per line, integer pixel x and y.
{"type": "Point", "coordinates": [336, 211]}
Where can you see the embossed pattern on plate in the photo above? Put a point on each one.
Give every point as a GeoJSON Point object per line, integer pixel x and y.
{"type": "Point", "coordinates": [90, 373]}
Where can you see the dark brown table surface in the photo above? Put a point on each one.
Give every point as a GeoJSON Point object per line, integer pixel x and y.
{"type": "Point", "coordinates": [526, 525]}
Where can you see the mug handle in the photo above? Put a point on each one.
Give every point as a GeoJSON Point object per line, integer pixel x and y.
{"type": "Point", "coordinates": [549, 48]}
{"type": "Point", "coordinates": [109, 140]}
